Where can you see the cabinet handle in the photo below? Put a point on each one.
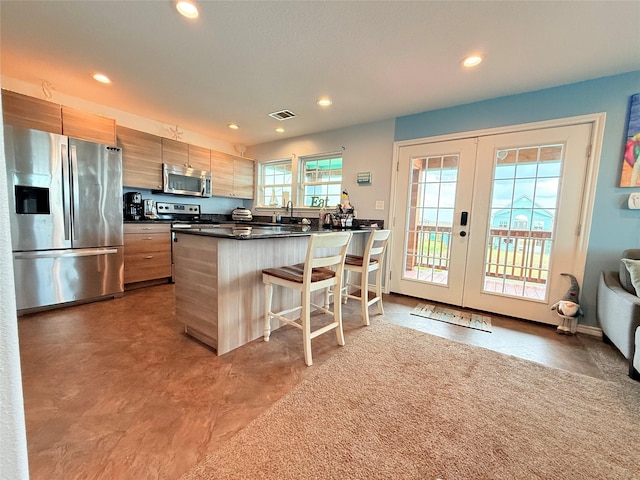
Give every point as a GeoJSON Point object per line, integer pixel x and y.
{"type": "Point", "coordinates": [146, 228]}
{"type": "Point", "coordinates": [149, 238]}
{"type": "Point", "coordinates": [149, 257]}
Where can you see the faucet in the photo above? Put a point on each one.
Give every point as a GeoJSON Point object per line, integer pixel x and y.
{"type": "Point", "coordinates": [289, 207]}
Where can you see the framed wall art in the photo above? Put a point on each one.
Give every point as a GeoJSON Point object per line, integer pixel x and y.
{"type": "Point", "coordinates": [630, 176]}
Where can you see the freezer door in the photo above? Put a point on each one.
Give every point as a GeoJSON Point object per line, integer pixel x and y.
{"type": "Point", "coordinates": [38, 183]}
{"type": "Point", "coordinates": [52, 277]}
{"type": "Point", "coordinates": [96, 172]}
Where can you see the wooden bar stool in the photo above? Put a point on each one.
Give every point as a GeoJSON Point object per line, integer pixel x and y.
{"type": "Point", "coordinates": [371, 261]}
{"type": "Point", "coordinates": [322, 269]}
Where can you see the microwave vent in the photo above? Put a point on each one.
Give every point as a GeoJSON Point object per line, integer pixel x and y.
{"type": "Point", "coordinates": [282, 115]}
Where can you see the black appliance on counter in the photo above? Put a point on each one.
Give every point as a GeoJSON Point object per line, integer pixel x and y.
{"type": "Point", "coordinates": [133, 206]}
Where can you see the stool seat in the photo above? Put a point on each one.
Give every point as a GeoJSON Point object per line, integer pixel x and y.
{"type": "Point", "coordinates": [358, 261]}
{"type": "Point", "coordinates": [295, 273]}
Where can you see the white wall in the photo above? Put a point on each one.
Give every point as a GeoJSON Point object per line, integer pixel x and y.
{"type": "Point", "coordinates": [367, 148]}
{"type": "Point", "coordinates": [13, 439]}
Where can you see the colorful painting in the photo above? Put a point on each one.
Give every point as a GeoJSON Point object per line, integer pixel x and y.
{"type": "Point", "coordinates": [631, 164]}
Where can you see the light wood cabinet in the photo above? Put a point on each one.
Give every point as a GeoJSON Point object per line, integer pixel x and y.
{"type": "Point", "coordinates": [243, 173]}
{"type": "Point", "coordinates": [29, 112]}
{"type": "Point", "coordinates": [88, 126]}
{"type": "Point", "coordinates": [199, 158]}
{"type": "Point", "coordinates": [222, 174]}
{"type": "Point", "coordinates": [141, 158]}
{"type": "Point", "coordinates": [175, 152]}
{"type": "Point", "coordinates": [232, 176]}
{"type": "Point", "coordinates": [147, 252]}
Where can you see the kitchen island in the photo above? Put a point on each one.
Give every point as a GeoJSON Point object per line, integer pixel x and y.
{"type": "Point", "coordinates": [218, 278]}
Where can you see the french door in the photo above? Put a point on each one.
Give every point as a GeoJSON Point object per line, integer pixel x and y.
{"type": "Point", "coordinates": [491, 222]}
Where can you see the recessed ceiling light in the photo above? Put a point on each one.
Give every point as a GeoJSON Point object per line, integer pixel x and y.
{"type": "Point", "coordinates": [233, 126]}
{"type": "Point", "coordinates": [280, 130]}
{"type": "Point", "coordinates": [102, 78]}
{"type": "Point", "coordinates": [324, 102]}
{"type": "Point", "coordinates": [187, 8]}
{"type": "Point", "coordinates": [472, 60]}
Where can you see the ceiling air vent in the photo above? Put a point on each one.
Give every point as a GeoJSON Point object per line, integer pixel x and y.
{"type": "Point", "coordinates": [282, 115]}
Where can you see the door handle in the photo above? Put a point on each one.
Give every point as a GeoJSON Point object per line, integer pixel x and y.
{"type": "Point", "coordinates": [464, 216]}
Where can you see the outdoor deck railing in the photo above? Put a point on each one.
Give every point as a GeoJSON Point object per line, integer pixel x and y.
{"type": "Point", "coordinates": [511, 254]}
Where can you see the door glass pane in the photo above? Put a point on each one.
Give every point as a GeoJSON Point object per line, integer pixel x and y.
{"type": "Point", "coordinates": [523, 205]}
{"type": "Point", "coordinates": [431, 211]}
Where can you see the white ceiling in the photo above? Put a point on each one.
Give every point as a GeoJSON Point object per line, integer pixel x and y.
{"type": "Point", "coordinates": [242, 60]}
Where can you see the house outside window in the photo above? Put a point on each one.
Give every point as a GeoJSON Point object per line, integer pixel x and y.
{"type": "Point", "coordinates": [314, 181]}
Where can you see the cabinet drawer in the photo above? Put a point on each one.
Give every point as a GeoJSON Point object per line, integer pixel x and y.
{"type": "Point", "coordinates": [139, 267]}
{"type": "Point", "coordinates": [147, 228]}
{"type": "Point", "coordinates": [147, 242]}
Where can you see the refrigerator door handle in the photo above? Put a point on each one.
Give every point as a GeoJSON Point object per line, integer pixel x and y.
{"type": "Point", "coordinates": [74, 187]}
{"type": "Point", "coordinates": [82, 252]}
{"type": "Point", "coordinates": [66, 203]}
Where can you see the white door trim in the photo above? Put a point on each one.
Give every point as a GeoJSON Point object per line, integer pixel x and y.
{"type": "Point", "coordinates": [597, 120]}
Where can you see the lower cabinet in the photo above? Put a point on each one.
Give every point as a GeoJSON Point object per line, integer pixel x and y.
{"type": "Point", "coordinates": [147, 252]}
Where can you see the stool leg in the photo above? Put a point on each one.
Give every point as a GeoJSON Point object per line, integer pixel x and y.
{"type": "Point", "coordinates": [379, 290]}
{"type": "Point", "coordinates": [337, 317]}
{"type": "Point", "coordinates": [305, 320]}
{"type": "Point", "coordinates": [268, 293]}
{"type": "Point", "coordinates": [364, 295]}
{"type": "Point", "coordinates": [344, 288]}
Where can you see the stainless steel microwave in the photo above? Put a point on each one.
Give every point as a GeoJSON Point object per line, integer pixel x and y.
{"type": "Point", "coordinates": [180, 180]}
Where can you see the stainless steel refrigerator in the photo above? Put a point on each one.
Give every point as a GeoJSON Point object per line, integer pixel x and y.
{"type": "Point", "coordinates": [65, 206]}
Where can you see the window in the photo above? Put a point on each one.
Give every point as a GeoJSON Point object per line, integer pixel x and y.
{"type": "Point", "coordinates": [275, 183]}
{"type": "Point", "coordinates": [321, 180]}
{"type": "Point", "coordinates": [314, 181]}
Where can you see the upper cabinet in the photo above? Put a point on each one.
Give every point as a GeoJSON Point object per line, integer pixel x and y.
{"type": "Point", "coordinates": [199, 158]}
{"type": "Point", "coordinates": [141, 158]}
{"type": "Point", "coordinates": [221, 174]}
{"type": "Point", "coordinates": [180, 153]}
{"type": "Point", "coordinates": [29, 112]}
{"type": "Point", "coordinates": [88, 126]}
{"type": "Point", "coordinates": [231, 176]}
{"type": "Point", "coordinates": [243, 172]}
{"type": "Point", "coordinates": [175, 152]}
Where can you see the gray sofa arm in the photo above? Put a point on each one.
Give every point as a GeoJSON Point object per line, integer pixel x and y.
{"type": "Point", "coordinates": [635, 370]}
{"type": "Point", "coordinates": [618, 313]}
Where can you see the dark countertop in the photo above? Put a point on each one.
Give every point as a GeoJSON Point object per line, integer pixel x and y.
{"type": "Point", "coordinates": [256, 232]}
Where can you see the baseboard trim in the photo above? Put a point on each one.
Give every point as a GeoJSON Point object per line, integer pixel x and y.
{"type": "Point", "coordinates": [590, 330]}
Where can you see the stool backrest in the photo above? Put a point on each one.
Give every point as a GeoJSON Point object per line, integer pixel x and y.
{"type": "Point", "coordinates": [376, 245]}
{"type": "Point", "coordinates": [326, 250]}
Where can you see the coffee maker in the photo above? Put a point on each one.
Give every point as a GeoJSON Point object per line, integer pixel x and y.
{"type": "Point", "coordinates": [133, 206]}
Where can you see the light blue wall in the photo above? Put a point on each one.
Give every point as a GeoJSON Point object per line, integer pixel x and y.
{"type": "Point", "coordinates": [614, 227]}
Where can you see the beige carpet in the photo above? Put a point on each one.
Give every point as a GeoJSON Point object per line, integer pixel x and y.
{"type": "Point", "coordinates": [395, 403]}
{"type": "Point", "coordinates": [454, 316]}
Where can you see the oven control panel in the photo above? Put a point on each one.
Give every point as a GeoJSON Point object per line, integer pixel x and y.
{"type": "Point", "coordinates": [177, 211]}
